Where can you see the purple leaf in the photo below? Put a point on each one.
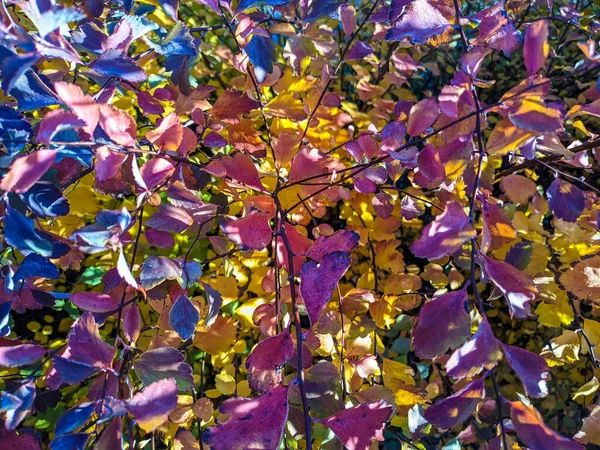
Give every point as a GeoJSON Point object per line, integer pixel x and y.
{"type": "Point", "coordinates": [359, 50]}
{"type": "Point", "coordinates": [361, 425]}
{"type": "Point", "coordinates": [479, 353]}
{"type": "Point", "coordinates": [95, 302]}
{"type": "Point", "coordinates": [157, 269]}
{"type": "Point", "coordinates": [421, 22]}
{"type": "Point", "coordinates": [454, 410]}
{"type": "Point", "coordinates": [422, 116]}
{"type": "Point", "coordinates": [20, 355]}
{"type": "Point", "coordinates": [116, 63]}
{"type": "Point", "coordinates": [536, 48]}
{"type": "Point", "coordinates": [86, 345]}
{"type": "Point", "coordinates": [162, 363]}
{"type": "Point", "coordinates": [132, 323]}
{"type": "Point", "coordinates": [445, 235]}
{"type": "Point", "coordinates": [566, 200]}
{"type": "Point", "coordinates": [70, 371]}
{"type": "Point", "coordinates": [516, 287]}
{"type": "Point", "coordinates": [184, 317]}
{"type": "Point", "coordinates": [449, 317]}
{"type": "Point", "coordinates": [170, 218]}
{"type": "Point", "coordinates": [342, 240]}
{"type": "Point", "coordinates": [152, 405]}
{"type": "Point", "coordinates": [253, 423]}
{"type": "Point", "coordinates": [532, 369]}
{"type": "Point", "coordinates": [124, 271]}
{"type": "Point", "coordinates": [532, 430]}
{"type": "Point", "coordinates": [267, 359]}
{"type": "Point", "coordinates": [319, 280]}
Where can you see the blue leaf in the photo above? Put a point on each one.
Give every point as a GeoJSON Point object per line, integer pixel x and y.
{"type": "Point", "coordinates": [72, 372]}
{"type": "Point", "coordinates": [5, 318]}
{"type": "Point", "coordinates": [35, 265]}
{"type": "Point", "coordinates": [74, 418]}
{"type": "Point", "coordinates": [115, 63]}
{"type": "Point", "coordinates": [75, 441]}
{"type": "Point", "coordinates": [323, 8]}
{"type": "Point", "coordinates": [13, 67]}
{"type": "Point", "coordinates": [184, 317]}
{"type": "Point", "coordinates": [14, 132]}
{"type": "Point", "coordinates": [32, 91]}
{"type": "Point", "coordinates": [53, 19]}
{"type": "Point", "coordinates": [25, 396]}
{"type": "Point", "coordinates": [247, 4]}
{"type": "Point", "coordinates": [21, 234]}
{"type": "Point", "coordinates": [261, 53]}
{"type": "Point", "coordinates": [46, 200]}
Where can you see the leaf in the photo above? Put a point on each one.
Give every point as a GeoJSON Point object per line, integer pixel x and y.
{"type": "Point", "coordinates": [76, 441]}
{"type": "Point", "coordinates": [422, 116]}
{"type": "Point", "coordinates": [162, 363]}
{"type": "Point", "coordinates": [151, 406]}
{"type": "Point", "coordinates": [532, 114]}
{"type": "Point", "coordinates": [35, 265]}
{"type": "Point", "coordinates": [536, 48]}
{"type": "Point", "coordinates": [169, 133]}
{"type": "Point", "coordinates": [118, 125]}
{"type": "Point", "coordinates": [231, 104]}
{"type": "Point", "coordinates": [421, 22]}
{"type": "Point", "coordinates": [46, 200]}
{"type": "Point", "coordinates": [532, 369]}
{"type": "Point", "coordinates": [359, 426]}
{"type": "Point", "coordinates": [319, 280]}
{"type": "Point", "coordinates": [479, 353]}
{"type": "Point", "coordinates": [516, 287]}
{"type": "Point", "coordinates": [455, 409]}
{"type": "Point", "coordinates": [532, 430]}
{"type": "Point", "coordinates": [252, 232]}
{"type": "Point", "coordinates": [21, 234]}
{"type": "Point", "coordinates": [116, 63]}
{"type": "Point", "coordinates": [74, 418]}
{"type": "Point", "coordinates": [20, 354]}
{"type": "Point", "coordinates": [566, 200]}
{"type": "Point", "coordinates": [86, 345]}
{"type": "Point", "coordinates": [112, 436]}
{"type": "Point", "coordinates": [22, 400]}
{"type": "Point", "coordinates": [447, 314]}
{"type": "Point", "coordinates": [497, 229]}
{"type": "Point", "coordinates": [214, 301]}
{"type": "Point", "coordinates": [590, 430]}
{"type": "Point", "coordinates": [261, 52]}
{"type": "Point", "coordinates": [342, 241]}
{"type": "Point", "coordinates": [13, 441]}
{"type": "Point", "coordinates": [95, 302]}
{"type": "Point", "coordinates": [359, 50]}
{"type": "Point", "coordinates": [266, 361]}
{"type": "Point", "coordinates": [243, 5]}
{"type": "Point", "coordinates": [583, 279]}
{"type": "Point", "coordinates": [252, 423]}
{"type": "Point", "coordinates": [518, 188]}
{"type": "Point", "coordinates": [27, 170]}
{"type": "Point", "coordinates": [445, 235]}
{"type": "Point", "coordinates": [157, 269]}
{"type": "Point", "coordinates": [83, 105]}
{"type": "Point", "coordinates": [184, 317]}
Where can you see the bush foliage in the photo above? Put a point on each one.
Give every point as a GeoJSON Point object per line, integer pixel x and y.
{"type": "Point", "coordinates": [267, 224]}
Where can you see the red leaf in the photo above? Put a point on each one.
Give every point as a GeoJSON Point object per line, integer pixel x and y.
{"type": "Point", "coordinates": [359, 426]}
{"type": "Point", "coordinates": [516, 287]}
{"type": "Point", "coordinates": [239, 167]}
{"type": "Point", "coordinates": [445, 235]}
{"type": "Point", "coordinates": [168, 135]}
{"type": "Point", "coordinates": [118, 125]}
{"type": "Point", "coordinates": [156, 171]}
{"type": "Point", "coordinates": [83, 105]}
{"type": "Point", "coordinates": [448, 316]}
{"type": "Point", "coordinates": [497, 229]}
{"type": "Point", "coordinates": [532, 430]}
{"type": "Point", "coordinates": [252, 232]}
{"type": "Point", "coordinates": [536, 48]}
{"type": "Point", "coordinates": [253, 423]}
{"type": "Point", "coordinates": [431, 167]}
{"type": "Point", "coordinates": [532, 369]}
{"type": "Point", "coordinates": [27, 170]}
{"type": "Point", "coordinates": [319, 280]}
{"type": "Point", "coordinates": [266, 360]}
{"type": "Point", "coordinates": [454, 410]}
{"type": "Point", "coordinates": [231, 105]}
{"type": "Point", "coordinates": [479, 353]}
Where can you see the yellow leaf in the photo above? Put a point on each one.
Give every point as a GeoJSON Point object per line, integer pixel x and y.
{"type": "Point", "coordinates": [506, 137]}
{"type": "Point", "coordinates": [225, 383]}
